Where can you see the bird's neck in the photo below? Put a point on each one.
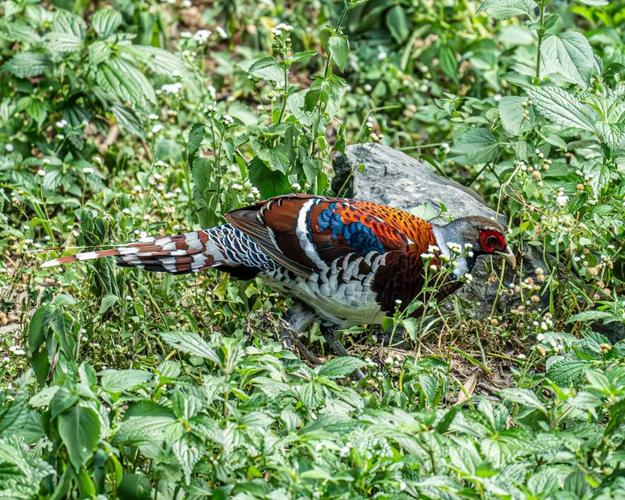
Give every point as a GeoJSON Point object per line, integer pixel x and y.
{"type": "Point", "coordinates": [446, 236]}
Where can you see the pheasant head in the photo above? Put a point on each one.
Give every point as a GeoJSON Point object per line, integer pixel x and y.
{"type": "Point", "coordinates": [470, 237]}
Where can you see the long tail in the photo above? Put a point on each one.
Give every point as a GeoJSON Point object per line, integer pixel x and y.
{"type": "Point", "coordinates": [223, 247]}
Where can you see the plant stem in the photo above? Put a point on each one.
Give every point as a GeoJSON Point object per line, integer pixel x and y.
{"type": "Point", "coordinates": [541, 34]}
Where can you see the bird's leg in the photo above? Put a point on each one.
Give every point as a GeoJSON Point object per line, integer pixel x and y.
{"type": "Point", "coordinates": [330, 333]}
{"type": "Point", "coordinates": [292, 322]}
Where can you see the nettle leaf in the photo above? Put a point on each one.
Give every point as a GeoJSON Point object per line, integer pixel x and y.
{"type": "Point", "coordinates": [79, 429]}
{"type": "Point", "coordinates": [126, 82]}
{"type": "Point", "coordinates": [504, 9]}
{"type": "Point", "coordinates": [188, 455]}
{"type": "Point", "coordinates": [563, 108]}
{"type": "Point", "coordinates": [339, 50]}
{"type": "Point", "coordinates": [524, 397]}
{"type": "Point", "coordinates": [27, 64]}
{"type": "Point", "coordinates": [566, 371]}
{"type": "Point", "coordinates": [69, 23]}
{"type": "Point", "coordinates": [106, 21]}
{"type": "Point", "coordinates": [191, 343]}
{"type": "Point", "coordinates": [62, 43]}
{"type": "Point", "coordinates": [515, 114]}
{"type": "Point", "coordinates": [264, 68]}
{"type": "Point", "coordinates": [590, 316]}
{"type": "Point", "coordinates": [476, 145]}
{"type": "Point", "coordinates": [570, 55]}
{"type": "Point", "coordinates": [123, 380]}
{"type": "Point", "coordinates": [340, 367]}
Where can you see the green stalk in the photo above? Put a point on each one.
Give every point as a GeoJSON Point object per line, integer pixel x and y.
{"type": "Point", "coordinates": [541, 34]}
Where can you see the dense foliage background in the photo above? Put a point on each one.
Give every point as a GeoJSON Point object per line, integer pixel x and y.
{"type": "Point", "coordinates": [119, 119]}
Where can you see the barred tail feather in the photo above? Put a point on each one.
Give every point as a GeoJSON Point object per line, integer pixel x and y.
{"type": "Point", "coordinates": [180, 254]}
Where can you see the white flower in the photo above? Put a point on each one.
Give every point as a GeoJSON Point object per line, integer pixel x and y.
{"type": "Point", "coordinates": [171, 88]}
{"type": "Point", "coordinates": [540, 337]}
{"type": "Point", "coordinates": [427, 256]}
{"type": "Point", "coordinates": [222, 32]}
{"type": "Point", "coordinates": [186, 4]}
{"type": "Point", "coordinates": [61, 124]}
{"type": "Point", "coordinates": [445, 147]}
{"type": "Point", "coordinates": [454, 247]}
{"type": "Point", "coordinates": [344, 451]}
{"type": "Point", "coordinates": [433, 248]}
{"type": "Point", "coordinates": [562, 200]}
{"type": "Point", "coordinates": [497, 97]}
{"type": "Point", "coordinates": [201, 36]}
{"type": "Point", "coordinates": [185, 34]}
{"type": "Point", "coordinates": [8, 147]}
{"type": "Point", "coordinates": [398, 301]}
{"type": "Point", "coordinates": [157, 128]}
{"type": "Point", "coordinates": [88, 170]}
{"type": "Point", "coordinates": [382, 55]}
{"type": "Point", "coordinates": [41, 172]}
{"type": "Point", "coordinates": [228, 120]}
{"type": "Point", "coordinates": [468, 277]}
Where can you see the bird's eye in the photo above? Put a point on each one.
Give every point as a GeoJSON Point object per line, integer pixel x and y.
{"type": "Point", "coordinates": [492, 241]}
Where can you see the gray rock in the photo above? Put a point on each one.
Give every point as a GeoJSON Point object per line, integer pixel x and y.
{"type": "Point", "coordinates": [396, 179]}
{"type": "Point", "coordinates": [378, 173]}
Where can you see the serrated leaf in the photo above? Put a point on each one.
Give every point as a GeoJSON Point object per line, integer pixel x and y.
{"type": "Point", "coordinates": [143, 429]}
{"type": "Point", "coordinates": [476, 145]}
{"type": "Point", "coordinates": [340, 367]}
{"type": "Point", "coordinates": [514, 114]}
{"type": "Point", "coordinates": [589, 316]}
{"type": "Point", "coordinates": [106, 21]}
{"type": "Point", "coordinates": [126, 82]}
{"type": "Point", "coordinates": [566, 371]}
{"type": "Point", "coordinates": [264, 68]}
{"type": "Point", "coordinates": [188, 455]}
{"type": "Point", "coordinates": [569, 54]}
{"type": "Point", "coordinates": [69, 23]}
{"type": "Point", "coordinates": [128, 120]}
{"type": "Point", "coordinates": [524, 397]}
{"type": "Point", "coordinates": [339, 50]}
{"type": "Point", "coordinates": [268, 182]}
{"type": "Point", "coordinates": [123, 380]}
{"type": "Point", "coordinates": [504, 9]}
{"type": "Point", "coordinates": [28, 64]}
{"type": "Point", "coordinates": [562, 108]}
{"type": "Point", "coordinates": [191, 343]}
{"type": "Point", "coordinates": [62, 43]}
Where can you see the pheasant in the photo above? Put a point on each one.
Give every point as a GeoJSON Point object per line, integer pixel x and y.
{"type": "Point", "coordinates": [345, 262]}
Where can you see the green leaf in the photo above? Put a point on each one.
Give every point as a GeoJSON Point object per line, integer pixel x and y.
{"type": "Point", "coordinates": [524, 397]}
{"type": "Point", "coordinates": [128, 120]}
{"type": "Point", "coordinates": [340, 367]}
{"type": "Point", "coordinates": [80, 432]}
{"type": "Point", "coordinates": [339, 50]}
{"type": "Point", "coordinates": [595, 3]}
{"type": "Point", "coordinates": [68, 23]}
{"type": "Point", "coordinates": [191, 343]}
{"type": "Point", "coordinates": [138, 430]}
{"type": "Point", "coordinates": [590, 316]}
{"type": "Point", "coordinates": [512, 112]}
{"type": "Point", "coordinates": [562, 108]}
{"type": "Point", "coordinates": [37, 328]}
{"type": "Point", "coordinates": [504, 9]}
{"type": "Point", "coordinates": [188, 455]}
{"type": "Point", "coordinates": [570, 55]}
{"type": "Point", "coordinates": [27, 64]}
{"type": "Point", "coordinates": [398, 23]}
{"type": "Point", "coordinates": [264, 68]}
{"type": "Point", "coordinates": [106, 21]}
{"type": "Point", "coordinates": [123, 380]}
{"type": "Point", "coordinates": [107, 302]}
{"type": "Point", "coordinates": [63, 400]}
{"type": "Point", "coordinates": [269, 182]}
{"type": "Point", "coordinates": [126, 82]}
{"type": "Point", "coordinates": [566, 371]}
{"type": "Point", "coordinates": [62, 43]}
{"type": "Point", "coordinates": [448, 62]}
{"type": "Point", "coordinates": [476, 145]}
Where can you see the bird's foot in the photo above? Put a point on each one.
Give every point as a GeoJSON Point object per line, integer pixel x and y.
{"type": "Point", "coordinates": [330, 333]}
{"type": "Point", "coordinates": [291, 342]}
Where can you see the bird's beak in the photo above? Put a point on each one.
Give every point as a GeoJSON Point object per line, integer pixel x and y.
{"type": "Point", "coordinates": [508, 256]}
